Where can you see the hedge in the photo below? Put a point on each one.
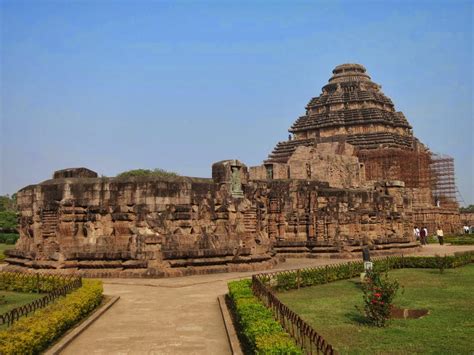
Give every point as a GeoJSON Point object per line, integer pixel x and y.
{"type": "Point", "coordinates": [288, 280]}
{"type": "Point", "coordinates": [32, 282]}
{"type": "Point", "coordinates": [259, 331]}
{"type": "Point", "coordinates": [9, 238]}
{"type": "Point", "coordinates": [33, 334]}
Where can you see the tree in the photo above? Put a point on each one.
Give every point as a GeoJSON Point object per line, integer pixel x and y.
{"type": "Point", "coordinates": [468, 209]}
{"type": "Point", "coordinates": [8, 215]}
{"type": "Point", "coordinates": [7, 203]}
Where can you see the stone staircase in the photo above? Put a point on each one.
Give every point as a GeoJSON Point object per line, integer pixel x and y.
{"type": "Point", "coordinates": [250, 220]}
{"type": "Point", "coordinates": [49, 221]}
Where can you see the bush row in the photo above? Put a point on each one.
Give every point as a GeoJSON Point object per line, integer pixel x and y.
{"type": "Point", "coordinates": [8, 238]}
{"type": "Point", "coordinates": [287, 280]}
{"type": "Point", "coordinates": [260, 333]}
{"type": "Point", "coordinates": [33, 334]}
{"type": "Point", "coordinates": [459, 239]}
{"type": "Point", "coordinates": [30, 282]}
{"type": "Point", "coordinates": [430, 262]}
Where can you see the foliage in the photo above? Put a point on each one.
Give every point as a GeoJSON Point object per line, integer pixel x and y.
{"type": "Point", "coordinates": [8, 219]}
{"type": "Point", "coordinates": [8, 203]}
{"type": "Point", "coordinates": [287, 280]}
{"type": "Point", "coordinates": [9, 238]}
{"type": "Point", "coordinates": [442, 262]}
{"type": "Point", "coordinates": [8, 214]}
{"type": "Point", "coordinates": [379, 293]}
{"type": "Point", "coordinates": [33, 334]}
{"type": "Point", "coordinates": [469, 208]}
{"type": "Point", "coordinates": [3, 248]}
{"type": "Point", "coordinates": [260, 332]}
{"type": "Point", "coordinates": [447, 329]}
{"type": "Point", "coordinates": [462, 239]}
{"type": "Point", "coordinates": [147, 173]}
{"type": "Point", "coordinates": [317, 276]}
{"type": "Point", "coordinates": [30, 282]}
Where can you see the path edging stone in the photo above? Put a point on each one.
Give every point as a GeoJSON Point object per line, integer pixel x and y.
{"type": "Point", "coordinates": [75, 332]}
{"type": "Point", "coordinates": [229, 327]}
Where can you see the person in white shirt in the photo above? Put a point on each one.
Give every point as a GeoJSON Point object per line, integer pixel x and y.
{"type": "Point", "coordinates": [416, 233]}
{"type": "Point", "coordinates": [440, 235]}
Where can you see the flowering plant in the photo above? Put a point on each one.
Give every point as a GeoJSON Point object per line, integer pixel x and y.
{"type": "Point", "coordinates": [379, 293]}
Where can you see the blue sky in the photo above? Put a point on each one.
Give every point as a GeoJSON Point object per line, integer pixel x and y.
{"type": "Point", "coordinates": [116, 85]}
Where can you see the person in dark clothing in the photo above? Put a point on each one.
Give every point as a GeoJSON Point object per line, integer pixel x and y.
{"type": "Point", "coordinates": [423, 236]}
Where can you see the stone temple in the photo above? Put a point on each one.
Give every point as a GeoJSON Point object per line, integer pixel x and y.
{"type": "Point", "coordinates": [351, 174]}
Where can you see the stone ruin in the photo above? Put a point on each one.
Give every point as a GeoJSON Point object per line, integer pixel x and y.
{"type": "Point", "coordinates": [326, 192]}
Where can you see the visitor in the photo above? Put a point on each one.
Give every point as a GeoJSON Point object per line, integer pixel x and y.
{"type": "Point", "coordinates": [416, 233]}
{"type": "Point", "coordinates": [426, 234]}
{"type": "Point", "coordinates": [440, 235]}
{"type": "Point", "coordinates": [423, 236]}
{"type": "Point", "coordinates": [466, 229]}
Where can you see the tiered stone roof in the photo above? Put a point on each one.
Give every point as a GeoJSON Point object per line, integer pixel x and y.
{"type": "Point", "coordinates": [351, 106]}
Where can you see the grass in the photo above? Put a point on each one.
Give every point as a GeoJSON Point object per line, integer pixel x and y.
{"type": "Point", "coordinates": [449, 328]}
{"type": "Point", "coordinates": [4, 247]}
{"type": "Point", "coordinates": [10, 300]}
{"type": "Point", "coordinates": [461, 239]}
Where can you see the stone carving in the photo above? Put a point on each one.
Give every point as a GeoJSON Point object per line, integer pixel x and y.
{"type": "Point", "coordinates": [236, 183]}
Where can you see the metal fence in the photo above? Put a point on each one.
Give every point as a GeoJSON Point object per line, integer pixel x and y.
{"type": "Point", "coordinates": [306, 337]}
{"type": "Point", "coordinates": [70, 284]}
{"type": "Point", "coordinates": [263, 286]}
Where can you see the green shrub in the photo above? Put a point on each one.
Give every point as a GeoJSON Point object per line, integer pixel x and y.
{"type": "Point", "coordinates": [147, 172]}
{"type": "Point", "coordinates": [30, 282]}
{"type": "Point", "coordinates": [277, 343]}
{"type": "Point", "coordinates": [259, 331]}
{"type": "Point", "coordinates": [8, 219]}
{"type": "Point", "coordinates": [9, 238]}
{"type": "Point", "coordinates": [460, 239]}
{"type": "Point", "coordinates": [378, 295]}
{"type": "Point", "coordinates": [288, 280]}
{"type": "Point", "coordinates": [33, 334]}
{"type": "Point", "coordinates": [240, 289]}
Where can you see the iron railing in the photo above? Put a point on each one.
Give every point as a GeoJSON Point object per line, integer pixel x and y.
{"type": "Point", "coordinates": [67, 284]}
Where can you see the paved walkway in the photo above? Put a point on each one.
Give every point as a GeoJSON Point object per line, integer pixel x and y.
{"type": "Point", "coordinates": [175, 315]}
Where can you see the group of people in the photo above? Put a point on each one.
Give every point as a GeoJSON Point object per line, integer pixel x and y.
{"type": "Point", "coordinates": [422, 235]}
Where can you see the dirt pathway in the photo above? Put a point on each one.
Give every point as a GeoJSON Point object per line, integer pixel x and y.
{"type": "Point", "coordinates": [176, 315]}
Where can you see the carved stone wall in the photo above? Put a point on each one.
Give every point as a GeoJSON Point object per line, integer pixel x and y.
{"type": "Point", "coordinates": [176, 226]}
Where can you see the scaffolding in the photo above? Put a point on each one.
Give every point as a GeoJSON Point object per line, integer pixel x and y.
{"type": "Point", "coordinates": [443, 183]}
{"type": "Point", "coordinates": [412, 167]}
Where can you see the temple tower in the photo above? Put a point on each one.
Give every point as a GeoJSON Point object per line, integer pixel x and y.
{"type": "Point", "coordinates": [353, 109]}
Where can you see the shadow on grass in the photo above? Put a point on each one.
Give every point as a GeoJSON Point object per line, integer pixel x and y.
{"type": "Point", "coordinates": [357, 317]}
{"type": "Point", "coordinates": [356, 284]}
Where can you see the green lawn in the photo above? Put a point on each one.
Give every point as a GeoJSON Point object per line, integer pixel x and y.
{"type": "Point", "coordinates": [15, 299]}
{"type": "Point", "coordinates": [448, 329]}
{"type": "Point", "coordinates": [4, 247]}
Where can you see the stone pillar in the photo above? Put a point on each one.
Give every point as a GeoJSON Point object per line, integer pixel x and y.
{"type": "Point", "coordinates": [232, 174]}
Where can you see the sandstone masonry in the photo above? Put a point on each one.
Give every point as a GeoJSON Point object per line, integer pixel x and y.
{"type": "Point", "coordinates": [338, 184]}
